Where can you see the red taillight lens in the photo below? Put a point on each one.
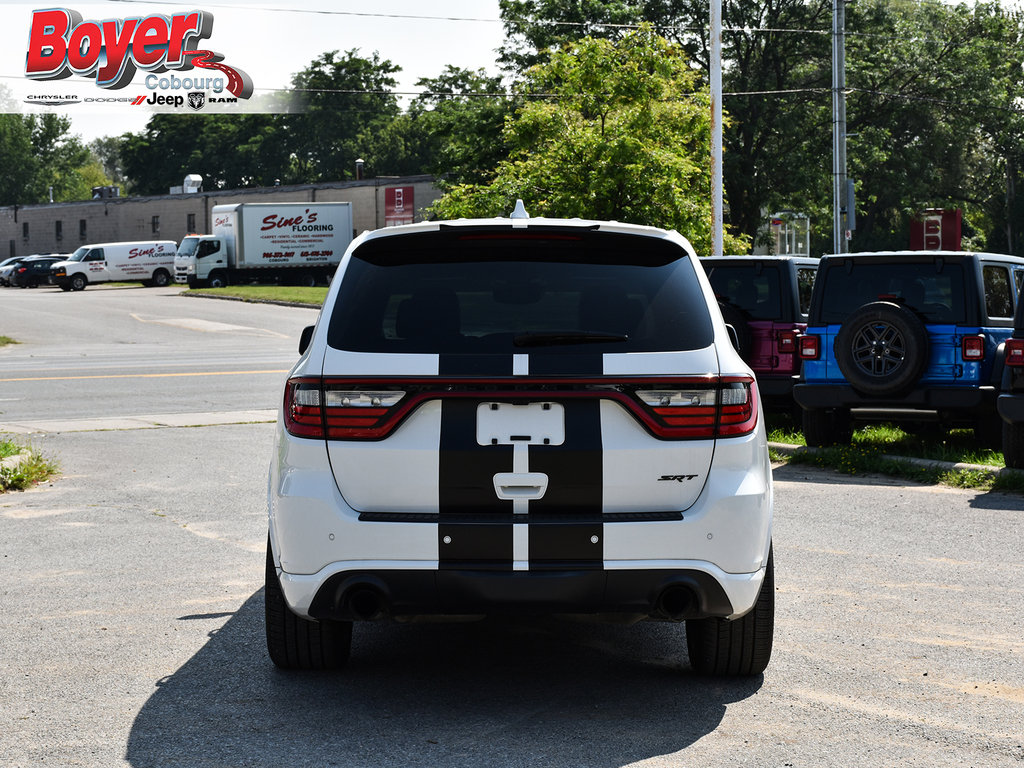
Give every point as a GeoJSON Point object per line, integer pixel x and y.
{"type": "Point", "coordinates": [316, 409]}
{"type": "Point", "coordinates": [972, 348]}
{"type": "Point", "coordinates": [22, 269]}
{"type": "Point", "coordinates": [787, 342]}
{"type": "Point", "coordinates": [1015, 352]}
{"type": "Point", "coordinates": [680, 408]}
{"type": "Point", "coordinates": [303, 414]}
{"type": "Point", "coordinates": [810, 347]}
{"type": "Point", "coordinates": [719, 409]}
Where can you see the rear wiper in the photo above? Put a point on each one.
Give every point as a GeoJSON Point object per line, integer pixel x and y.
{"type": "Point", "coordinates": [552, 338]}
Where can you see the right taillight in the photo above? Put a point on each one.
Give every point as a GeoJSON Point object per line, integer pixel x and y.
{"type": "Point", "coordinates": [810, 346]}
{"type": "Point", "coordinates": [1015, 352]}
{"type": "Point", "coordinates": [787, 342]}
{"type": "Point", "coordinates": [725, 408]}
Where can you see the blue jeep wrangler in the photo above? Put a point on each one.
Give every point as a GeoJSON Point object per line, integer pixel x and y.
{"type": "Point", "coordinates": [907, 337]}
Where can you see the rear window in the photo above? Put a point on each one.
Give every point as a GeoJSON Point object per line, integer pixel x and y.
{"type": "Point", "coordinates": [754, 288]}
{"type": "Point", "coordinates": [483, 291]}
{"type": "Point", "coordinates": [934, 289]}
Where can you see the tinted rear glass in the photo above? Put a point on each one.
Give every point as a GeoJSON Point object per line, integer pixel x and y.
{"type": "Point", "coordinates": [935, 290]}
{"type": "Point", "coordinates": [758, 292]}
{"type": "Point", "coordinates": [482, 291]}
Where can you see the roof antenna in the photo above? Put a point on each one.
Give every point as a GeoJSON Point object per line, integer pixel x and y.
{"type": "Point", "coordinates": [519, 212]}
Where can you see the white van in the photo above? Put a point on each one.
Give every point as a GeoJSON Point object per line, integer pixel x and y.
{"type": "Point", "coordinates": [150, 262]}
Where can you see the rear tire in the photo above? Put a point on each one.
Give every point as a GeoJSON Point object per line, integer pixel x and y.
{"type": "Point", "coordinates": [297, 643]}
{"type": "Point", "coordinates": [741, 647]}
{"type": "Point", "coordinates": [827, 427]}
{"type": "Point", "coordinates": [1013, 445]}
{"type": "Point", "coordinates": [161, 279]}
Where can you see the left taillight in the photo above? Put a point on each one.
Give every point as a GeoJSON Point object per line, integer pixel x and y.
{"type": "Point", "coordinates": [317, 409]}
{"type": "Point", "coordinates": [1015, 352]}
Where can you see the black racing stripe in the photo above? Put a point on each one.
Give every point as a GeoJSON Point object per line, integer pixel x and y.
{"type": "Point", "coordinates": [555, 546]}
{"type": "Point", "coordinates": [566, 365]}
{"type": "Point", "coordinates": [466, 492]}
{"type": "Point", "coordinates": [575, 488]}
{"type": "Point", "coordinates": [474, 365]}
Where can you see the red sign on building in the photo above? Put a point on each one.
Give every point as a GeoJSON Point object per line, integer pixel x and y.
{"type": "Point", "coordinates": [399, 207]}
{"type": "Point", "coordinates": [937, 230]}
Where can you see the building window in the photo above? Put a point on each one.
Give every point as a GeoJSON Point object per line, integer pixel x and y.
{"type": "Point", "coordinates": [24, 230]}
{"type": "Point", "coordinates": [156, 225]}
{"type": "Point", "coordinates": [58, 230]}
{"type": "Point", "coordinates": [190, 223]}
{"type": "Point", "coordinates": [81, 229]}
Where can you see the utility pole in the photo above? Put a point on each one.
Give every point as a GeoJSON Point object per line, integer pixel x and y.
{"type": "Point", "coordinates": [839, 187]}
{"type": "Point", "coordinates": [717, 196]}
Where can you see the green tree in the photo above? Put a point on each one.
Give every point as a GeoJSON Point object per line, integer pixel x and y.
{"type": "Point", "coordinates": [343, 99]}
{"type": "Point", "coordinates": [608, 130]}
{"type": "Point", "coordinates": [18, 164]}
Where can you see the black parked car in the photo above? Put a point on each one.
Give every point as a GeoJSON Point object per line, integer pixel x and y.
{"type": "Point", "coordinates": [1011, 393]}
{"type": "Point", "coordinates": [33, 271]}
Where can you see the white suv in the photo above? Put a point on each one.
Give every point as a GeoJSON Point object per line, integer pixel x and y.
{"type": "Point", "coordinates": [520, 416]}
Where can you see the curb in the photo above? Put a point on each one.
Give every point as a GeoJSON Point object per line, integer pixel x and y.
{"type": "Point", "coordinates": [298, 304]}
{"type": "Point", "coordinates": [789, 450]}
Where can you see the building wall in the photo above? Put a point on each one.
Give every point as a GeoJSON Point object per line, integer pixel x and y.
{"type": "Point", "coordinates": [32, 229]}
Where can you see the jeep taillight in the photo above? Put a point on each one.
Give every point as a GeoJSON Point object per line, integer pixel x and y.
{"type": "Point", "coordinates": [787, 342]}
{"type": "Point", "coordinates": [810, 347]}
{"type": "Point", "coordinates": [972, 348]}
{"type": "Point", "coordinates": [1015, 352]}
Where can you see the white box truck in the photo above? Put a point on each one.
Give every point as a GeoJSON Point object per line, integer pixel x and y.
{"type": "Point", "coordinates": [290, 243]}
{"type": "Point", "coordinates": [150, 262]}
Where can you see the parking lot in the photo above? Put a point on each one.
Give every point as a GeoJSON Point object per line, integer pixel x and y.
{"type": "Point", "coordinates": [132, 587]}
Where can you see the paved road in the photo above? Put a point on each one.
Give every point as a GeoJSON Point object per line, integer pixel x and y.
{"type": "Point", "coordinates": [131, 634]}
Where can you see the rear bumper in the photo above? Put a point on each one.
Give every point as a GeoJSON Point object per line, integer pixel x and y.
{"type": "Point", "coordinates": [973, 399]}
{"type": "Point", "coordinates": [365, 595]}
{"type": "Point", "coordinates": [1011, 408]}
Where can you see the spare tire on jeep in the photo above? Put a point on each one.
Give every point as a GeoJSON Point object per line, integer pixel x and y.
{"type": "Point", "coordinates": [882, 348]}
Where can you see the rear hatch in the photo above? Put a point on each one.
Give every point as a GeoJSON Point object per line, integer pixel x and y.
{"type": "Point", "coordinates": [550, 371]}
{"type": "Point", "coordinates": [934, 289]}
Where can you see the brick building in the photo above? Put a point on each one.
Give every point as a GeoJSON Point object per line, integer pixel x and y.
{"type": "Point", "coordinates": [63, 227]}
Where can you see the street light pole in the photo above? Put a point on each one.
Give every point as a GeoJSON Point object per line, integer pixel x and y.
{"type": "Point", "coordinates": [717, 246]}
{"type": "Point", "coordinates": [839, 125]}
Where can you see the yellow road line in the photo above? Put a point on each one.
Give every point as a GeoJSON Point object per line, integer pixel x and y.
{"type": "Point", "coordinates": [141, 375]}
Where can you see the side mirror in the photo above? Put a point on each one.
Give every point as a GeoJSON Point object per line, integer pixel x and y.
{"type": "Point", "coordinates": [305, 337]}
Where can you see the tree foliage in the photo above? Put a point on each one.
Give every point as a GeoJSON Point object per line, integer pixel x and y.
{"type": "Point", "coordinates": [934, 107]}
{"type": "Point", "coordinates": [607, 130]}
{"type": "Point", "coordinates": [40, 158]}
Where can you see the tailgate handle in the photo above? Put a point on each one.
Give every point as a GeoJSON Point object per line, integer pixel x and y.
{"type": "Point", "coordinates": [520, 485]}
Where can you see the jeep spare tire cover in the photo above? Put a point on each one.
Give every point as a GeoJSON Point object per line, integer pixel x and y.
{"type": "Point", "coordinates": [882, 348]}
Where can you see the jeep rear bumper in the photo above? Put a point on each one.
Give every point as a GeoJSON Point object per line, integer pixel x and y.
{"type": "Point", "coordinates": [1011, 408]}
{"type": "Point", "coordinates": [971, 399]}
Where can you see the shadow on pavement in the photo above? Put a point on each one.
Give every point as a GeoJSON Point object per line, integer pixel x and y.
{"type": "Point", "coordinates": [527, 692]}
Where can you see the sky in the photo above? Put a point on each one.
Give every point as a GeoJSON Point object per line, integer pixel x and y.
{"type": "Point", "coordinates": [267, 41]}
